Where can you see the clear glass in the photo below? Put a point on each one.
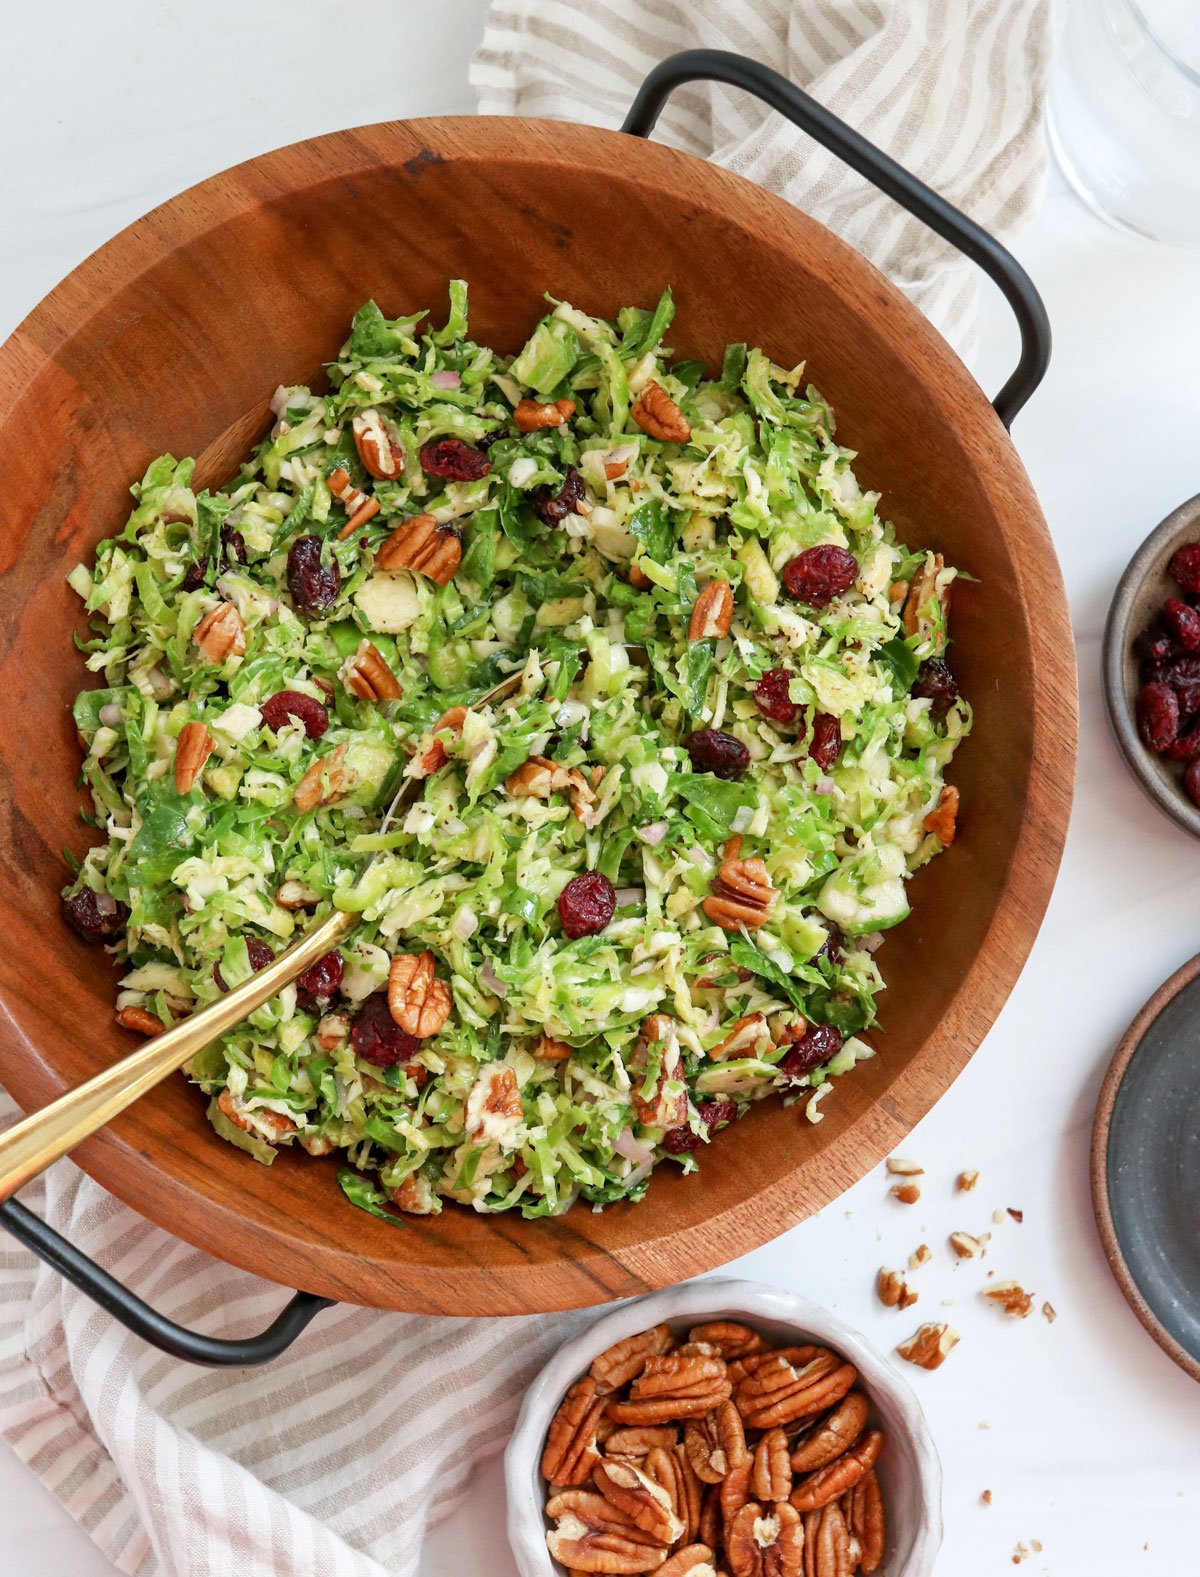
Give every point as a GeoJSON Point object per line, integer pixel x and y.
{"type": "Point", "coordinates": [1124, 113]}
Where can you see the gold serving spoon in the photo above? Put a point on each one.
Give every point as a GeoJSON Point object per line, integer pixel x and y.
{"type": "Point", "coordinates": [46, 1135]}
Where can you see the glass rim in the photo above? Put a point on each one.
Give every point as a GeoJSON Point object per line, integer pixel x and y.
{"type": "Point", "coordinates": [1192, 73]}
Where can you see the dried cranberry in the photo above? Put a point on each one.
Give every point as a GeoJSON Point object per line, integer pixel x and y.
{"type": "Point", "coordinates": [586, 904]}
{"type": "Point", "coordinates": [453, 459]}
{"type": "Point", "coordinates": [834, 943]}
{"type": "Point", "coordinates": [1186, 747]}
{"type": "Point", "coordinates": [193, 576]}
{"type": "Point", "coordinates": [1184, 568]}
{"type": "Point", "coordinates": [1184, 623]}
{"type": "Point", "coordinates": [818, 575]}
{"type": "Point", "coordinates": [291, 706]}
{"type": "Point", "coordinates": [818, 1043]}
{"type": "Point", "coordinates": [937, 685]}
{"type": "Point", "coordinates": [313, 582]}
{"type": "Point", "coordinates": [96, 916]}
{"type": "Point", "coordinates": [259, 954]}
{"type": "Point", "coordinates": [1154, 646]}
{"type": "Point", "coordinates": [321, 981]}
{"type": "Point", "coordinates": [377, 1038]}
{"type": "Point", "coordinates": [826, 740]}
{"type": "Point", "coordinates": [233, 545]}
{"type": "Point", "coordinates": [1183, 671]}
{"type": "Point", "coordinates": [1191, 782]}
{"type": "Point", "coordinates": [1158, 717]}
{"type": "Point", "coordinates": [554, 507]}
{"type": "Point", "coordinates": [714, 751]}
{"type": "Point", "coordinates": [713, 1114]}
{"type": "Point", "coordinates": [772, 698]}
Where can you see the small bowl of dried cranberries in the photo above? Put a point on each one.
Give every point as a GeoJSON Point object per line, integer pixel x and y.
{"type": "Point", "coordinates": [1152, 665]}
{"type": "Point", "coordinates": [722, 1429]}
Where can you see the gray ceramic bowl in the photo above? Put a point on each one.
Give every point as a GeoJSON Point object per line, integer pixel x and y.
{"type": "Point", "coordinates": [909, 1470]}
{"type": "Point", "coordinates": [1142, 591]}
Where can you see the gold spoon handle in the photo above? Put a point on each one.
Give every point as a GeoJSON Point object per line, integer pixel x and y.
{"type": "Point", "coordinates": [36, 1141]}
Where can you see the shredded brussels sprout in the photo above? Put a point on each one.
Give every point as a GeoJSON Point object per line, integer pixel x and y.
{"type": "Point", "coordinates": [750, 783]}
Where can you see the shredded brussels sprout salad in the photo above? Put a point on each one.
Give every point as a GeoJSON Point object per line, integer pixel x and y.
{"type": "Point", "coordinates": [638, 894]}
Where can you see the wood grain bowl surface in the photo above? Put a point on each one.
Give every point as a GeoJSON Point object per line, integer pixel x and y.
{"type": "Point", "coordinates": [173, 337]}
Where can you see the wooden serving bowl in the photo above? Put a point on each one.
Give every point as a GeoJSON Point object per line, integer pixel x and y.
{"type": "Point", "coordinates": [173, 337]}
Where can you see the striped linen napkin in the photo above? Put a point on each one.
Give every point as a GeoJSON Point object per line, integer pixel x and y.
{"type": "Point", "coordinates": [953, 89]}
{"type": "Point", "coordinates": [331, 1461]}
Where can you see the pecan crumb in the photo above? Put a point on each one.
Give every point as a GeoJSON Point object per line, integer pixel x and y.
{"type": "Point", "coordinates": [967, 1181]}
{"type": "Point", "coordinates": [1011, 1297]}
{"type": "Point", "coordinates": [1049, 1311]}
{"type": "Point", "coordinates": [899, 1167]}
{"type": "Point", "coordinates": [929, 1347]}
{"type": "Point", "coordinates": [906, 1193]}
{"type": "Point", "coordinates": [893, 1291]}
{"type": "Point", "coordinates": [998, 1217]}
{"type": "Point", "coordinates": [986, 1497]}
{"type": "Point", "coordinates": [1017, 1215]}
{"type": "Point", "coordinates": [921, 1255]}
{"type": "Point", "coordinates": [964, 1245]}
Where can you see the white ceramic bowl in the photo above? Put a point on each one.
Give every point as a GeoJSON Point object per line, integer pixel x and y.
{"type": "Point", "coordinates": [909, 1470]}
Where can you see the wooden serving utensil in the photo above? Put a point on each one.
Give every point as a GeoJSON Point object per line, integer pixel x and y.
{"type": "Point", "coordinates": [43, 1137]}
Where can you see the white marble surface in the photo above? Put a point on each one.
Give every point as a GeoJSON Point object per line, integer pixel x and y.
{"type": "Point", "coordinates": [1093, 1447]}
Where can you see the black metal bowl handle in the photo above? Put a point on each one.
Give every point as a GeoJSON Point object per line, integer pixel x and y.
{"type": "Point", "coordinates": [719, 65]}
{"type": "Point", "coordinates": [153, 1327]}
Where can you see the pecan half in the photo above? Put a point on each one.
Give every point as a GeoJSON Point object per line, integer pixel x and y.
{"type": "Point", "coordinates": [771, 1475]}
{"type": "Point", "coordinates": [670, 1388]}
{"type": "Point", "coordinates": [921, 617]}
{"type": "Point", "coordinates": [1011, 1297]}
{"type": "Point", "coordinates": [434, 755]}
{"type": "Point", "coordinates": [368, 676]}
{"type": "Point", "coordinates": [142, 1022]}
{"type": "Point", "coordinates": [930, 1346]}
{"type": "Point", "coordinates": [943, 822]}
{"type": "Point", "coordinates": [640, 1442]}
{"type": "Point", "coordinates": [421, 545]}
{"type": "Point", "coordinates": [729, 1337]}
{"type": "Point", "coordinates": [709, 1531]}
{"type": "Point", "coordinates": [835, 1434]}
{"type": "Point", "coordinates": [537, 778]}
{"type": "Point", "coordinates": [495, 1094]}
{"type": "Point", "coordinates": [671, 1470]}
{"type": "Point", "coordinates": [740, 1368]}
{"type": "Point", "coordinates": [260, 1120]}
{"type": "Point", "coordinates": [832, 1482]}
{"type": "Point", "coordinates": [716, 1443]}
{"type": "Point", "coordinates": [220, 634]}
{"type": "Point", "coordinates": [379, 447]}
{"type": "Point", "coordinates": [712, 612]}
{"type": "Point", "coordinates": [742, 895]}
{"type": "Point", "coordinates": [325, 781]}
{"type": "Point", "coordinates": [656, 413]}
{"type": "Point", "coordinates": [734, 1491]}
{"type": "Point", "coordinates": [571, 1453]}
{"type": "Point", "coordinates": [359, 506]}
{"type": "Point", "coordinates": [294, 895]}
{"type": "Point", "coordinates": [694, 1560]}
{"type": "Point", "coordinates": [762, 1543]}
{"type": "Point", "coordinates": [593, 1536]}
{"type": "Point", "coordinates": [779, 1393]}
{"type": "Point", "coordinates": [828, 1551]}
{"type": "Point", "coordinates": [666, 1105]}
{"type": "Point", "coordinates": [192, 750]}
{"type": "Point", "coordinates": [415, 1196]}
{"type": "Point", "coordinates": [643, 1500]}
{"type": "Point", "coordinates": [625, 1360]}
{"type": "Point", "coordinates": [531, 415]}
{"type": "Point", "coordinates": [867, 1522]}
{"type": "Point", "coordinates": [550, 1050]}
{"type": "Point", "coordinates": [417, 1000]}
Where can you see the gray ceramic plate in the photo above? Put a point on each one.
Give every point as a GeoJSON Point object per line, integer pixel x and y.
{"type": "Point", "coordinates": [1146, 1166]}
{"type": "Point", "coordinates": [1143, 588]}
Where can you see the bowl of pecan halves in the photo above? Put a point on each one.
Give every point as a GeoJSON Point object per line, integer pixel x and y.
{"type": "Point", "coordinates": [722, 1429]}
